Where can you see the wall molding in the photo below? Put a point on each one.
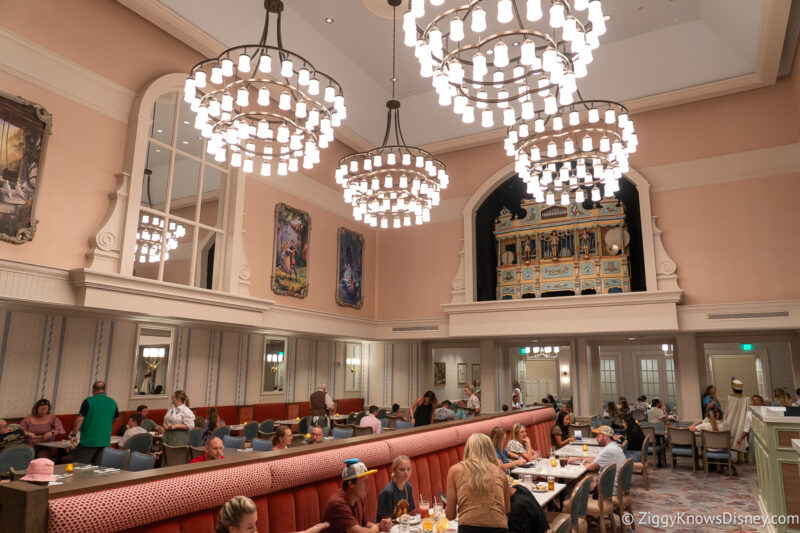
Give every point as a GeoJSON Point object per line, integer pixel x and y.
{"type": "Point", "coordinates": [782, 314]}
{"type": "Point", "coordinates": [41, 67]}
{"type": "Point", "coordinates": [753, 164]}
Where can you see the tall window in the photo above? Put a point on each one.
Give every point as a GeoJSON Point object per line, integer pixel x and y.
{"type": "Point", "coordinates": [650, 382]}
{"type": "Point", "coordinates": [672, 397]}
{"type": "Point", "coordinates": [608, 379]}
{"type": "Point", "coordinates": [183, 204]}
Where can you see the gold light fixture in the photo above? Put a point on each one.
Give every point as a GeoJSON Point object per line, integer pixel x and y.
{"type": "Point", "coordinates": [274, 361]}
{"type": "Point", "coordinates": [505, 65]}
{"type": "Point", "coordinates": [265, 108]}
{"type": "Point", "coordinates": [353, 363]}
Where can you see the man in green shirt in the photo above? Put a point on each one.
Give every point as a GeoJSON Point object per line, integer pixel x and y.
{"type": "Point", "coordinates": [147, 424]}
{"type": "Point", "coordinates": [95, 418]}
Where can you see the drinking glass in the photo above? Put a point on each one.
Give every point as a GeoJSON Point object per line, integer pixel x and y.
{"type": "Point", "coordinates": [424, 507]}
{"type": "Point", "coordinates": [551, 483]}
{"type": "Point", "coordinates": [403, 522]}
{"type": "Point", "coordinates": [563, 462]}
{"type": "Point", "coordinates": [527, 479]}
{"type": "Point", "coordinates": [437, 509]}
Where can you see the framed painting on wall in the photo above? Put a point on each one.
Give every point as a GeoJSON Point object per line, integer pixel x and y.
{"type": "Point", "coordinates": [462, 373]}
{"type": "Point", "coordinates": [349, 259]}
{"type": "Point", "coordinates": [439, 373]}
{"type": "Point", "coordinates": [290, 265]}
{"type": "Point", "coordinates": [24, 129]}
{"type": "Point", "coordinates": [476, 372]}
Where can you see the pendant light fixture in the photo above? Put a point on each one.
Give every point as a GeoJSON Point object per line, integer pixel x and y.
{"type": "Point", "coordinates": [394, 184]}
{"type": "Point", "coordinates": [264, 108]}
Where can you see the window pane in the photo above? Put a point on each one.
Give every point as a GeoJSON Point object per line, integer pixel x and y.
{"type": "Point", "coordinates": [650, 384]}
{"type": "Point", "coordinates": [608, 379]}
{"type": "Point", "coordinates": [274, 365]}
{"type": "Point", "coordinates": [148, 246]}
{"type": "Point", "coordinates": [185, 181]}
{"type": "Point", "coordinates": [154, 185]}
{"type": "Point", "coordinates": [189, 139]}
{"type": "Point", "coordinates": [178, 258]}
{"type": "Point", "coordinates": [164, 118]}
{"type": "Point", "coordinates": [209, 259]}
{"type": "Point", "coordinates": [213, 197]}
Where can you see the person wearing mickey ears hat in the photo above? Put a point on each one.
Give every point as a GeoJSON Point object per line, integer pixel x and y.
{"type": "Point", "coordinates": [345, 510]}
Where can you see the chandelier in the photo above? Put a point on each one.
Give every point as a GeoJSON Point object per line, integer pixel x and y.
{"type": "Point", "coordinates": [394, 182]}
{"type": "Point", "coordinates": [149, 240]}
{"type": "Point", "coordinates": [540, 352]}
{"type": "Point", "coordinates": [264, 107]}
{"type": "Point", "coordinates": [566, 156]}
{"type": "Point", "coordinates": [274, 360]}
{"type": "Point", "coordinates": [477, 65]}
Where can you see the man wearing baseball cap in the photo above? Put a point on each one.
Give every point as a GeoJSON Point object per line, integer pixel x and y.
{"type": "Point", "coordinates": [345, 510]}
{"type": "Point", "coordinates": [611, 453]}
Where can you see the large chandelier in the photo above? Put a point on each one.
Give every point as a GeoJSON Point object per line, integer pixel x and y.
{"type": "Point", "coordinates": [263, 107]}
{"type": "Point", "coordinates": [149, 240]}
{"type": "Point", "coordinates": [479, 66]}
{"type": "Point", "coordinates": [394, 183]}
{"type": "Point", "coordinates": [566, 156]}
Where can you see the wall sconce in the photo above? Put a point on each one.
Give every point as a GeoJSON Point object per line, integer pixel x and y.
{"type": "Point", "coordinates": [274, 360]}
{"type": "Point", "coordinates": [667, 349]}
{"type": "Point", "coordinates": [565, 374]}
{"type": "Point", "coordinates": [352, 363]}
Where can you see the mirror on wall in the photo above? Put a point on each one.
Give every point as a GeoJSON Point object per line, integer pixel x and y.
{"type": "Point", "coordinates": [352, 371]}
{"type": "Point", "coordinates": [153, 358]}
{"type": "Point", "coordinates": [274, 365]}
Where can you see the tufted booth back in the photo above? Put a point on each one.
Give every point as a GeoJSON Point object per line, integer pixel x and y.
{"type": "Point", "coordinates": [290, 488]}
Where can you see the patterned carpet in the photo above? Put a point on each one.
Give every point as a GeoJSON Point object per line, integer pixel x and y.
{"type": "Point", "coordinates": [700, 497]}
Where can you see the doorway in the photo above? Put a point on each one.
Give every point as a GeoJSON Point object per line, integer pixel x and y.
{"type": "Point", "coordinates": [541, 379]}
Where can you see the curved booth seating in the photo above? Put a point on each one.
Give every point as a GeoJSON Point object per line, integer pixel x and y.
{"type": "Point", "coordinates": [290, 487]}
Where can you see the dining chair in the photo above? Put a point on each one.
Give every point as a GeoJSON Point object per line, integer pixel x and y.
{"type": "Point", "coordinates": [350, 418]}
{"type": "Point", "coordinates": [585, 429]}
{"type": "Point", "coordinates": [232, 442]}
{"type": "Point", "coordinates": [381, 413]}
{"type": "Point", "coordinates": [267, 426]}
{"type": "Point", "coordinates": [384, 422]}
{"type": "Point", "coordinates": [393, 422]}
{"type": "Point", "coordinates": [603, 506]}
{"type": "Point", "coordinates": [141, 461]}
{"type": "Point", "coordinates": [250, 431]}
{"type": "Point", "coordinates": [265, 436]}
{"type": "Point", "coordinates": [14, 475]}
{"type": "Point", "coordinates": [221, 432]}
{"type": "Point", "coordinates": [260, 445]}
{"type": "Point", "coordinates": [717, 449]}
{"type": "Point", "coordinates": [359, 416]}
{"type": "Point", "coordinates": [403, 424]}
{"type": "Point", "coordinates": [196, 437]}
{"type": "Point", "coordinates": [114, 458]}
{"type": "Point", "coordinates": [298, 439]}
{"type": "Point", "coordinates": [17, 456]}
{"type": "Point", "coordinates": [175, 455]}
{"type": "Point", "coordinates": [361, 430]}
{"type": "Point", "coordinates": [303, 425]}
{"type": "Point", "coordinates": [576, 505]}
{"type": "Point", "coordinates": [655, 449]}
{"type": "Point", "coordinates": [623, 501]}
{"type": "Point", "coordinates": [681, 443]}
{"type": "Point", "coordinates": [640, 467]}
{"type": "Point", "coordinates": [141, 442]}
{"type": "Point", "coordinates": [195, 451]}
{"type": "Point", "coordinates": [342, 433]}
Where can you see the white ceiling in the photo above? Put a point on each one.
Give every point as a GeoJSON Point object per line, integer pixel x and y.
{"type": "Point", "coordinates": [651, 47]}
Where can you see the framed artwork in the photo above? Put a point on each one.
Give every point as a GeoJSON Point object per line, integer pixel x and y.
{"type": "Point", "coordinates": [24, 129]}
{"type": "Point", "coordinates": [462, 373]}
{"type": "Point", "coordinates": [476, 372]}
{"type": "Point", "coordinates": [439, 373]}
{"type": "Point", "coordinates": [349, 259]}
{"type": "Point", "coordinates": [290, 265]}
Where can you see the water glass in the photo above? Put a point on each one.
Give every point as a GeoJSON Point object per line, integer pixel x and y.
{"type": "Point", "coordinates": [437, 509]}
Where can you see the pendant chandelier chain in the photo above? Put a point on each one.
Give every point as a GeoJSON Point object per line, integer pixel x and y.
{"type": "Point", "coordinates": [393, 113]}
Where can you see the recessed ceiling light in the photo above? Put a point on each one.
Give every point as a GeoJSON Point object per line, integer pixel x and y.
{"type": "Point", "coordinates": [158, 150]}
{"type": "Point", "coordinates": [184, 142]}
{"type": "Point", "coordinates": [185, 121]}
{"type": "Point", "coordinates": [328, 20]}
{"type": "Point", "coordinates": [160, 131]}
{"type": "Point", "coordinates": [631, 338]}
{"type": "Point", "coordinates": [607, 18]}
{"type": "Point", "coordinates": [515, 43]}
{"type": "Point", "coordinates": [489, 52]}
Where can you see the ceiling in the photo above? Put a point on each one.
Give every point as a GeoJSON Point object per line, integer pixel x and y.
{"type": "Point", "coordinates": [655, 51]}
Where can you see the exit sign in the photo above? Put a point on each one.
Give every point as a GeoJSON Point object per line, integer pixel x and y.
{"type": "Point", "coordinates": [747, 347]}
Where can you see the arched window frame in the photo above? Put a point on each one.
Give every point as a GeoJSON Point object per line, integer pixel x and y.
{"type": "Point", "coordinates": [112, 247]}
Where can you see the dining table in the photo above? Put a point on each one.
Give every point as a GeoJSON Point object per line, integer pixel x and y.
{"type": "Point", "coordinates": [576, 450]}
{"type": "Point", "coordinates": [569, 472]}
{"type": "Point", "coordinates": [81, 472]}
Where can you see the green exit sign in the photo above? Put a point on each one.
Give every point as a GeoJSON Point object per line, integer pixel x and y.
{"type": "Point", "coordinates": [747, 347]}
{"type": "Point", "coordinates": [522, 351]}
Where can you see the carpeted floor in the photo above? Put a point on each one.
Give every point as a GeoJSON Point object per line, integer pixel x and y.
{"type": "Point", "coordinates": [694, 497]}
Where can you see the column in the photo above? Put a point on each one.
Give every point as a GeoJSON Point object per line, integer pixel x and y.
{"type": "Point", "coordinates": [688, 360]}
{"type": "Point", "coordinates": [581, 378]}
{"type": "Point", "coordinates": [489, 366]}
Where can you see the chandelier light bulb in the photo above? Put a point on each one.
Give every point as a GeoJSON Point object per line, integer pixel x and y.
{"type": "Point", "coordinates": [487, 118]}
{"type": "Point", "coordinates": [595, 194]}
{"type": "Point", "coordinates": [533, 10]}
{"type": "Point", "coordinates": [594, 115]}
{"type": "Point", "coordinates": [456, 29]}
{"type": "Point", "coordinates": [227, 67]}
{"type": "Point", "coordinates": [569, 29]}
{"type": "Point", "coordinates": [469, 114]}
{"type": "Point", "coordinates": [580, 5]}
{"type": "Point", "coordinates": [550, 198]}
{"type": "Point", "coordinates": [610, 116]}
{"type": "Point", "coordinates": [505, 11]}
{"type": "Point", "coordinates": [242, 97]}
{"type": "Point", "coordinates": [528, 52]}
{"type": "Point", "coordinates": [557, 14]}
{"type": "Point", "coordinates": [479, 68]}
{"type": "Point", "coordinates": [501, 55]}
{"type": "Point", "coordinates": [287, 68]}
{"type": "Point", "coordinates": [565, 197]}
{"type": "Point", "coordinates": [478, 23]}
{"type": "Point", "coordinates": [244, 63]}
{"type": "Point", "coordinates": [580, 197]}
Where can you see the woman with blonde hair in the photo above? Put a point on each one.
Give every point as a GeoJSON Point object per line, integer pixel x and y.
{"type": "Point", "coordinates": [520, 445]}
{"type": "Point", "coordinates": [498, 438]}
{"type": "Point", "coordinates": [397, 497]}
{"type": "Point", "coordinates": [779, 397]}
{"type": "Point", "coordinates": [239, 515]}
{"type": "Point", "coordinates": [477, 489]}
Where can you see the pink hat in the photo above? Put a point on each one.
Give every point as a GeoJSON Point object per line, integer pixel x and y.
{"type": "Point", "coordinates": [40, 470]}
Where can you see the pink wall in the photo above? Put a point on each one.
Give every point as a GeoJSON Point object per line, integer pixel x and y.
{"type": "Point", "coordinates": [259, 222]}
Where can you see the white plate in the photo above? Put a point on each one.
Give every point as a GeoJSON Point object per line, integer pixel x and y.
{"type": "Point", "coordinates": [535, 489]}
{"type": "Point", "coordinates": [415, 519]}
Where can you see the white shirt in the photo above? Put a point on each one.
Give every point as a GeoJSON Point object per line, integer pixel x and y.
{"type": "Point", "coordinates": [748, 422]}
{"type": "Point", "coordinates": [519, 395]}
{"type": "Point", "coordinates": [611, 453]}
{"type": "Point", "coordinates": [130, 432]}
{"type": "Point", "coordinates": [474, 402]}
{"type": "Point", "coordinates": [179, 415]}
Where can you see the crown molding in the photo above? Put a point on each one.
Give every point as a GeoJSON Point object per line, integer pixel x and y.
{"type": "Point", "coordinates": [39, 66]}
